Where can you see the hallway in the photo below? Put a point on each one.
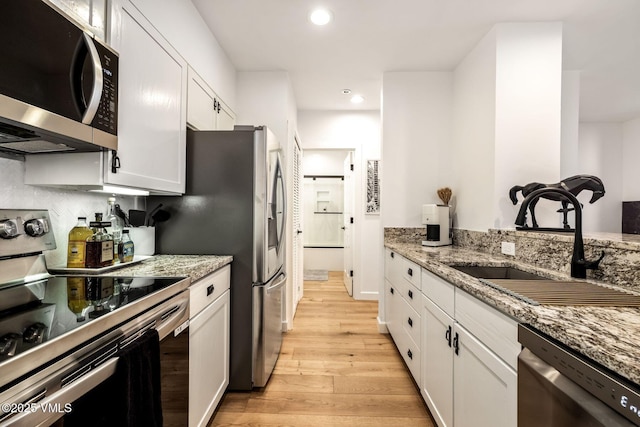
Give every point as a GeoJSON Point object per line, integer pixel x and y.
{"type": "Point", "coordinates": [335, 369]}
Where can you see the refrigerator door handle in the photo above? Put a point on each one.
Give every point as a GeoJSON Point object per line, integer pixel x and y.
{"type": "Point", "coordinates": [277, 283]}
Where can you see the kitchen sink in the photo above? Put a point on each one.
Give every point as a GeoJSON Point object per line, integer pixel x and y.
{"type": "Point", "coordinates": [488, 272]}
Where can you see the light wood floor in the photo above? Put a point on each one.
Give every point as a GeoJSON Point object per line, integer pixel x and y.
{"type": "Point", "coordinates": [335, 369]}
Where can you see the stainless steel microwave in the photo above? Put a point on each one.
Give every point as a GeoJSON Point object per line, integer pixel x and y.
{"type": "Point", "coordinates": [58, 84]}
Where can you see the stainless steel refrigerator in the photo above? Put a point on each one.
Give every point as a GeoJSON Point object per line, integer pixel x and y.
{"type": "Point", "coordinates": [235, 205]}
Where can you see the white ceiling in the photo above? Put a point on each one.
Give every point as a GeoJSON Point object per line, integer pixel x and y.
{"type": "Point", "coordinates": [368, 37]}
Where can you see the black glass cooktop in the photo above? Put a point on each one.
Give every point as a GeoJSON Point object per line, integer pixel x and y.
{"type": "Point", "coordinates": [50, 308]}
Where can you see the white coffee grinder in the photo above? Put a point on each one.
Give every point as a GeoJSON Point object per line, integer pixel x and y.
{"type": "Point", "coordinates": [436, 219]}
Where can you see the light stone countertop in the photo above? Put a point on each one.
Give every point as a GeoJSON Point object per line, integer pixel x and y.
{"type": "Point", "coordinates": [193, 266]}
{"type": "Point", "coordinates": [608, 335]}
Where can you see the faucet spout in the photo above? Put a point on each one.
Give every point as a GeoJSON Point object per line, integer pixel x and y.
{"type": "Point", "coordinates": [579, 265]}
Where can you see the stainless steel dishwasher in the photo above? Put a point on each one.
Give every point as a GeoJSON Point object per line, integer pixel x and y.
{"type": "Point", "coordinates": [561, 388]}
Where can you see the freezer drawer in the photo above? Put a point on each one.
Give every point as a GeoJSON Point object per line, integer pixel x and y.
{"type": "Point", "coordinates": [267, 328]}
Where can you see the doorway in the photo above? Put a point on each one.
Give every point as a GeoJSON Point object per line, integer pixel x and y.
{"type": "Point", "coordinates": [325, 217]}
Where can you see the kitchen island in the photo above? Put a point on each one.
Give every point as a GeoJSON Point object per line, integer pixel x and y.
{"type": "Point", "coordinates": [607, 335]}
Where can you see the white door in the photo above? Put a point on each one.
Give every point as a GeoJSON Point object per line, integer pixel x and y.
{"type": "Point", "coordinates": [297, 250]}
{"type": "Point", "coordinates": [348, 225]}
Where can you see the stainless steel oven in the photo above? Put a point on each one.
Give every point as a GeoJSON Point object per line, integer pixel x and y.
{"type": "Point", "coordinates": [558, 387]}
{"type": "Point", "coordinates": [68, 342]}
{"type": "Point", "coordinates": [51, 393]}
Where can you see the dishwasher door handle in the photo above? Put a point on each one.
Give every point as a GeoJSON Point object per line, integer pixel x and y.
{"type": "Point", "coordinates": [64, 396]}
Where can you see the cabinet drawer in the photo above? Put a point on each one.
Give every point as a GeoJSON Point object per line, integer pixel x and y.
{"type": "Point", "coordinates": [207, 289]}
{"type": "Point", "coordinates": [495, 330]}
{"type": "Point", "coordinates": [441, 292]}
{"type": "Point", "coordinates": [410, 352]}
{"type": "Point", "coordinates": [392, 266]}
{"type": "Point", "coordinates": [411, 321]}
{"type": "Point", "coordinates": [411, 272]}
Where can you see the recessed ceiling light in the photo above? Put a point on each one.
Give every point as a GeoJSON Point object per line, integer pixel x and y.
{"type": "Point", "coordinates": [357, 99]}
{"type": "Point", "coordinates": [346, 91]}
{"type": "Point", "coordinates": [320, 16]}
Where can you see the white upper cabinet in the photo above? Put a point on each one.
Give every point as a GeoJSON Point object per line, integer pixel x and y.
{"type": "Point", "coordinates": [205, 110]}
{"type": "Point", "coordinates": [152, 116]}
{"type": "Point", "coordinates": [152, 106]}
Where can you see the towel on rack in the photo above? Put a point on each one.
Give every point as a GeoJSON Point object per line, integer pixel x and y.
{"type": "Point", "coordinates": [131, 396]}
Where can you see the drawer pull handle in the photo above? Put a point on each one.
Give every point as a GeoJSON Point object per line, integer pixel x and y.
{"type": "Point", "coordinates": [410, 322]}
{"type": "Point", "coordinates": [410, 272]}
{"type": "Point", "coordinates": [210, 289]}
{"type": "Point", "coordinates": [456, 344]}
{"type": "Point", "coordinates": [392, 291]}
{"type": "Point", "coordinates": [411, 294]}
{"type": "Point", "coordinates": [410, 354]}
{"type": "Point", "coordinates": [447, 335]}
{"type": "Point", "coordinates": [392, 255]}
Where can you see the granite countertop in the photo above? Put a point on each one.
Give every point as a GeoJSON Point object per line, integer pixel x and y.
{"type": "Point", "coordinates": [608, 335]}
{"type": "Point", "coordinates": [192, 266]}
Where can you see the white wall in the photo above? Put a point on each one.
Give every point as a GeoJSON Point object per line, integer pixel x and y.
{"type": "Point", "coordinates": [506, 121]}
{"type": "Point", "coordinates": [473, 135]}
{"type": "Point", "coordinates": [181, 24]}
{"type": "Point", "coordinates": [64, 206]}
{"type": "Point", "coordinates": [416, 134]}
{"type": "Point", "coordinates": [528, 113]}
{"type": "Point", "coordinates": [630, 159]}
{"type": "Point", "coordinates": [569, 164]}
{"type": "Point", "coordinates": [359, 131]}
{"type": "Point", "coordinates": [601, 148]}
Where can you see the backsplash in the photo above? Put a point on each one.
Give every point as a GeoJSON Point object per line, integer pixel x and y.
{"type": "Point", "coordinates": [553, 251]}
{"type": "Point", "coordinates": [64, 206]}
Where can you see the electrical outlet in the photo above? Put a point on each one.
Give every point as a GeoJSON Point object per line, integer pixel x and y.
{"type": "Point", "coordinates": [509, 248]}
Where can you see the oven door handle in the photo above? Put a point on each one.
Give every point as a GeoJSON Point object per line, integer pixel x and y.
{"type": "Point", "coordinates": [63, 397]}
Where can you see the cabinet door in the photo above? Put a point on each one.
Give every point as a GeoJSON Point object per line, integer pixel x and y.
{"type": "Point", "coordinates": [225, 118]}
{"type": "Point", "coordinates": [152, 106]}
{"type": "Point", "coordinates": [485, 387]}
{"type": "Point", "coordinates": [437, 362]}
{"type": "Point", "coordinates": [200, 107]}
{"type": "Point", "coordinates": [208, 360]}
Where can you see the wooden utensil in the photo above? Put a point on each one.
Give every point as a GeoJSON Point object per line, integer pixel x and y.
{"type": "Point", "coordinates": [445, 195]}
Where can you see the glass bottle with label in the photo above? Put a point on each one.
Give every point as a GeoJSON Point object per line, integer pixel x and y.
{"type": "Point", "coordinates": [77, 243]}
{"type": "Point", "coordinates": [99, 249]}
{"type": "Point", "coordinates": [116, 226]}
{"type": "Point", "coordinates": [125, 247]}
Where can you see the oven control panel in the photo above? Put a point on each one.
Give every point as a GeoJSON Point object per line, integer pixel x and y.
{"type": "Point", "coordinates": [25, 231]}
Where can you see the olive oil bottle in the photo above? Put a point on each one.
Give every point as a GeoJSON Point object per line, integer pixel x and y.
{"type": "Point", "coordinates": [77, 243]}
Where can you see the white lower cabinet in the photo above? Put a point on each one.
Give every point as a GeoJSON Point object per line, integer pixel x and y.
{"type": "Point", "coordinates": [437, 362]}
{"type": "Point", "coordinates": [208, 345]}
{"type": "Point", "coordinates": [461, 352]}
{"type": "Point", "coordinates": [465, 381]}
{"type": "Point", "coordinates": [485, 387]}
{"type": "Point", "coordinates": [402, 304]}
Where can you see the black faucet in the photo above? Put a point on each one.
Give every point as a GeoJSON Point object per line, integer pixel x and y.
{"type": "Point", "coordinates": [579, 265]}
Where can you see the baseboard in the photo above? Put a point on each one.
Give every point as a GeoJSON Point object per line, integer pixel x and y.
{"type": "Point", "coordinates": [382, 326]}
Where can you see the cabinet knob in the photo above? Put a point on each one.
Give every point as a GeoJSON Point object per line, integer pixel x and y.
{"type": "Point", "coordinates": [392, 291]}
{"type": "Point", "coordinates": [410, 272]}
{"type": "Point", "coordinates": [410, 322]}
{"type": "Point", "coordinates": [210, 289]}
{"type": "Point", "coordinates": [410, 354]}
{"type": "Point", "coordinates": [410, 293]}
{"type": "Point", "coordinates": [392, 255]}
